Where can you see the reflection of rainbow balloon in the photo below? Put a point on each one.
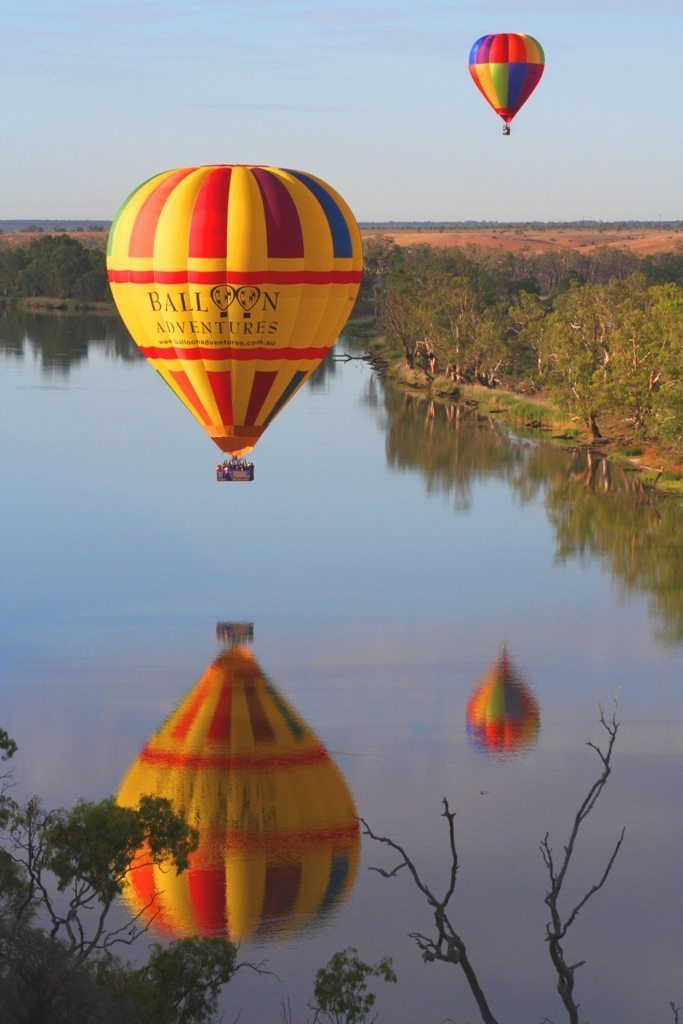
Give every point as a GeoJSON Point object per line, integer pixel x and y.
{"type": "Point", "coordinates": [506, 67]}
{"type": "Point", "coordinates": [279, 838]}
{"type": "Point", "coordinates": [502, 714]}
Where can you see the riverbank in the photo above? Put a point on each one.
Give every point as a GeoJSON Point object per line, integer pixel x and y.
{"type": "Point", "coordinates": [52, 304]}
{"type": "Point", "coordinates": [533, 413]}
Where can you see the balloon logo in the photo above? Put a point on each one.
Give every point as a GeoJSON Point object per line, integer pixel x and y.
{"type": "Point", "coordinates": [189, 242]}
{"type": "Point", "coordinates": [247, 298]}
{"type": "Point", "coordinates": [223, 295]}
{"type": "Point", "coordinates": [506, 68]}
{"type": "Point", "coordinates": [502, 713]}
{"type": "Point", "coordinates": [279, 838]}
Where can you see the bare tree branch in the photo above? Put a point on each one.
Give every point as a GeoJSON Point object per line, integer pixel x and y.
{"type": "Point", "coordinates": [447, 946]}
{"type": "Point", "coordinates": [559, 924]}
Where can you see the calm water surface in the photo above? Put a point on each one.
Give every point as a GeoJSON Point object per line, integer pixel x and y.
{"type": "Point", "coordinates": [438, 610]}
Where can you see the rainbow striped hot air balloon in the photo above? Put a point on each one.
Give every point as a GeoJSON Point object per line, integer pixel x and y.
{"type": "Point", "coordinates": [502, 713]}
{"type": "Point", "coordinates": [506, 68]}
{"type": "Point", "coordinates": [234, 281]}
{"type": "Point", "coordinates": [279, 838]}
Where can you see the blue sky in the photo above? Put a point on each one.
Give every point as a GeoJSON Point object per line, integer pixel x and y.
{"type": "Point", "coordinates": [374, 97]}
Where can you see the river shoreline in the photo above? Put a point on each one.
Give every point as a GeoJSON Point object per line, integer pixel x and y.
{"type": "Point", "coordinates": [48, 304]}
{"type": "Point", "coordinates": [535, 413]}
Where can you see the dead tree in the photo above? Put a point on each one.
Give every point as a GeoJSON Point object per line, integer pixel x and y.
{"type": "Point", "coordinates": [447, 945]}
{"type": "Point", "coordinates": [559, 924]}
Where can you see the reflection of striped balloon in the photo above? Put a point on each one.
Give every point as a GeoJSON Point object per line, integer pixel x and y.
{"type": "Point", "coordinates": [235, 282]}
{"type": "Point", "coordinates": [502, 714]}
{"type": "Point", "coordinates": [279, 838]}
{"type": "Point", "coordinates": [506, 68]}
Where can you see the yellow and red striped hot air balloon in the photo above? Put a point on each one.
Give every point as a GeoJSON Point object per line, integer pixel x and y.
{"type": "Point", "coordinates": [502, 713]}
{"type": "Point", "coordinates": [279, 838]}
{"type": "Point", "coordinates": [235, 282]}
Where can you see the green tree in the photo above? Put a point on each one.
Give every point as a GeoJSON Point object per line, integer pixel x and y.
{"type": "Point", "coordinates": [666, 322]}
{"type": "Point", "coordinates": [341, 987]}
{"type": "Point", "coordinates": [527, 324]}
{"type": "Point", "coordinates": [617, 348]}
{"type": "Point", "coordinates": [57, 266]}
{"type": "Point", "coordinates": [379, 255]}
{"type": "Point", "coordinates": [577, 351]}
{"type": "Point", "coordinates": [88, 851]}
{"type": "Point", "coordinates": [179, 984]}
{"type": "Point", "coordinates": [67, 867]}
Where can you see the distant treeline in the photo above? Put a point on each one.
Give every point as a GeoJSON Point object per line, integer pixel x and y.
{"type": "Point", "coordinates": [527, 225]}
{"type": "Point", "coordinates": [602, 332]}
{"type": "Point", "coordinates": [54, 225]}
{"type": "Point", "coordinates": [54, 266]}
{"type": "Point", "coordinates": [60, 266]}
{"type": "Point", "coordinates": [386, 225]}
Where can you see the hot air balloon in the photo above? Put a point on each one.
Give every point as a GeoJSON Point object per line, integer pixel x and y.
{"type": "Point", "coordinates": [234, 281]}
{"type": "Point", "coordinates": [502, 713]}
{"type": "Point", "coordinates": [279, 837]}
{"type": "Point", "coordinates": [506, 68]}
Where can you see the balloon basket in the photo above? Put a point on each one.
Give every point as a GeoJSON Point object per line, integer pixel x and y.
{"type": "Point", "coordinates": [234, 634]}
{"type": "Point", "coordinates": [235, 471]}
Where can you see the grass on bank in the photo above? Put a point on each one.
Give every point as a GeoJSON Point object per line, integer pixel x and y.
{"type": "Point", "coordinates": [658, 464]}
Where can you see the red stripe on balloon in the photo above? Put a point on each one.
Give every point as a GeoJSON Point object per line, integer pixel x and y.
{"type": "Point", "coordinates": [219, 729]}
{"type": "Point", "coordinates": [281, 889]}
{"type": "Point", "coordinates": [182, 727]}
{"type": "Point", "coordinates": [228, 762]}
{"type": "Point", "coordinates": [517, 49]}
{"type": "Point", "coordinates": [207, 888]}
{"type": "Point", "coordinates": [141, 242]}
{"type": "Point", "coordinates": [290, 842]}
{"type": "Point", "coordinates": [263, 382]}
{"type": "Point", "coordinates": [283, 227]}
{"type": "Point", "coordinates": [221, 385]}
{"type": "Point", "coordinates": [209, 222]}
{"type": "Point", "coordinates": [206, 353]}
{"type": "Point", "coordinates": [142, 881]}
{"type": "Point", "coordinates": [141, 878]}
{"type": "Point", "coordinates": [183, 382]}
{"type": "Point", "coordinates": [234, 276]}
{"type": "Point", "coordinates": [500, 48]}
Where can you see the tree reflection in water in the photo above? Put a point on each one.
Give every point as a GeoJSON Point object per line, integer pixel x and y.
{"type": "Point", "coordinates": [451, 447]}
{"type": "Point", "coordinates": [599, 509]}
{"type": "Point", "coordinates": [62, 340]}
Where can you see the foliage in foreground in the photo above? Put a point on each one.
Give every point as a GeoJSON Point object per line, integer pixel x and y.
{"type": "Point", "coordinates": [67, 867]}
{"type": "Point", "coordinates": [341, 987]}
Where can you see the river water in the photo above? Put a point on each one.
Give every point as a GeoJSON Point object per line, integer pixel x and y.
{"type": "Point", "coordinates": [408, 604]}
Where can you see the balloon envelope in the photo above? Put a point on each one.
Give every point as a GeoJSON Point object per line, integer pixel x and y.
{"type": "Point", "coordinates": [278, 834]}
{"type": "Point", "coordinates": [234, 281]}
{"type": "Point", "coordinates": [506, 67]}
{"type": "Point", "coordinates": [502, 713]}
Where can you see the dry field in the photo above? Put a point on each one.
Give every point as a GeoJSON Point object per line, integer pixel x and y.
{"type": "Point", "coordinates": [642, 241]}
